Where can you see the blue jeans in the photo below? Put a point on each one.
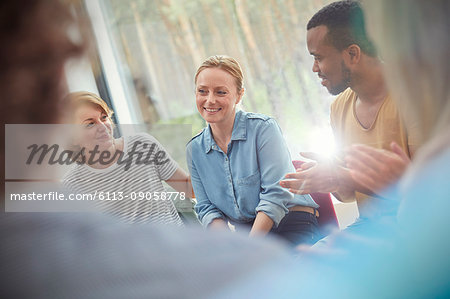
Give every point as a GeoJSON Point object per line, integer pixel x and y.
{"type": "Point", "coordinates": [298, 228]}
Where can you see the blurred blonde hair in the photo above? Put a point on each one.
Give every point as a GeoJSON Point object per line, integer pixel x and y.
{"type": "Point", "coordinates": [226, 63]}
{"type": "Point", "coordinates": [413, 39]}
{"type": "Point", "coordinates": [76, 99]}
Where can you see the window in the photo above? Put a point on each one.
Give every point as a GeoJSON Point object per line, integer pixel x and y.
{"type": "Point", "coordinates": [149, 52]}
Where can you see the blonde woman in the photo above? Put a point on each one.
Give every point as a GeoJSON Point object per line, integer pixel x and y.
{"type": "Point", "coordinates": [237, 161]}
{"type": "Point", "coordinates": [135, 186]}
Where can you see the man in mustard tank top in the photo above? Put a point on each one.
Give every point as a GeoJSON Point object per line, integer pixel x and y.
{"type": "Point", "coordinates": [364, 119]}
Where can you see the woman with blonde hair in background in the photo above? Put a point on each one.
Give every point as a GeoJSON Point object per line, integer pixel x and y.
{"type": "Point", "coordinates": [136, 185]}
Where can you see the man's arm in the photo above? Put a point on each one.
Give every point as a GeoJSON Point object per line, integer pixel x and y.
{"type": "Point", "coordinates": [376, 169]}
{"type": "Point", "coordinates": [324, 175]}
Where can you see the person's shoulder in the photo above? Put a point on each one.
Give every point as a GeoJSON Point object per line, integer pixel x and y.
{"type": "Point", "coordinates": [259, 121]}
{"type": "Point", "coordinates": [343, 99]}
{"type": "Point", "coordinates": [389, 103]}
{"type": "Point", "coordinates": [141, 136]}
{"type": "Point", "coordinates": [74, 172]}
{"type": "Point", "coordinates": [344, 96]}
{"type": "Point", "coordinates": [197, 138]}
{"type": "Point", "coordinates": [139, 141]}
{"type": "Point", "coordinates": [256, 116]}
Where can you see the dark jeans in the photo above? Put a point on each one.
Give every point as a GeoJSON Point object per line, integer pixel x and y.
{"type": "Point", "coordinates": [298, 228]}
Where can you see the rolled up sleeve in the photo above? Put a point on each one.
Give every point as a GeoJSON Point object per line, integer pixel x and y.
{"type": "Point", "coordinates": [274, 161]}
{"type": "Point", "coordinates": [274, 211]}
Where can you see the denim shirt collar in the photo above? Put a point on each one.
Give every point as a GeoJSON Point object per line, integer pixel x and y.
{"type": "Point", "coordinates": [239, 131]}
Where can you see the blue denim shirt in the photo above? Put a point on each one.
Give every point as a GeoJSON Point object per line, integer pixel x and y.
{"type": "Point", "coordinates": [237, 185]}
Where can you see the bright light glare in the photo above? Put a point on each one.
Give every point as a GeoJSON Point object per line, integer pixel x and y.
{"type": "Point", "coordinates": [317, 140]}
{"type": "Point", "coordinates": [321, 141]}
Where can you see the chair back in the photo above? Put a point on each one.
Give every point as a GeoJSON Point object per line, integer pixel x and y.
{"type": "Point", "coordinates": [328, 221]}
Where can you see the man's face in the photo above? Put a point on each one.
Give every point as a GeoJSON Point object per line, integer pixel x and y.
{"type": "Point", "coordinates": [328, 61]}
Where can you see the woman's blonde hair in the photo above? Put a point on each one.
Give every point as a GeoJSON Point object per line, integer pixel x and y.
{"type": "Point", "coordinates": [76, 99]}
{"type": "Point", "coordinates": [413, 40]}
{"type": "Point", "coordinates": [226, 63]}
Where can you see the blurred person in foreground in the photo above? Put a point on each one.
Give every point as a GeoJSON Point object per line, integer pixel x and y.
{"type": "Point", "coordinates": [414, 41]}
{"type": "Point", "coordinates": [363, 113]}
{"type": "Point", "coordinates": [65, 255]}
{"type": "Point", "coordinates": [124, 173]}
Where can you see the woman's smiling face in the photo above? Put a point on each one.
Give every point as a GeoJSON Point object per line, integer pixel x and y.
{"type": "Point", "coordinates": [96, 127]}
{"type": "Point", "coordinates": [217, 95]}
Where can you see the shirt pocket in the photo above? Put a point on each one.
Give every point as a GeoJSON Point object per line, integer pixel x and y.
{"type": "Point", "coordinates": [247, 193]}
{"type": "Point", "coordinates": [250, 180]}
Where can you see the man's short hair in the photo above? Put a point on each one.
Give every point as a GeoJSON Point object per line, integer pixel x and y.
{"type": "Point", "coordinates": [345, 23]}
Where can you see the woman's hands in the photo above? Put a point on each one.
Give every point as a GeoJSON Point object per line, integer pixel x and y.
{"type": "Point", "coordinates": [262, 225]}
{"type": "Point", "coordinates": [218, 224]}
